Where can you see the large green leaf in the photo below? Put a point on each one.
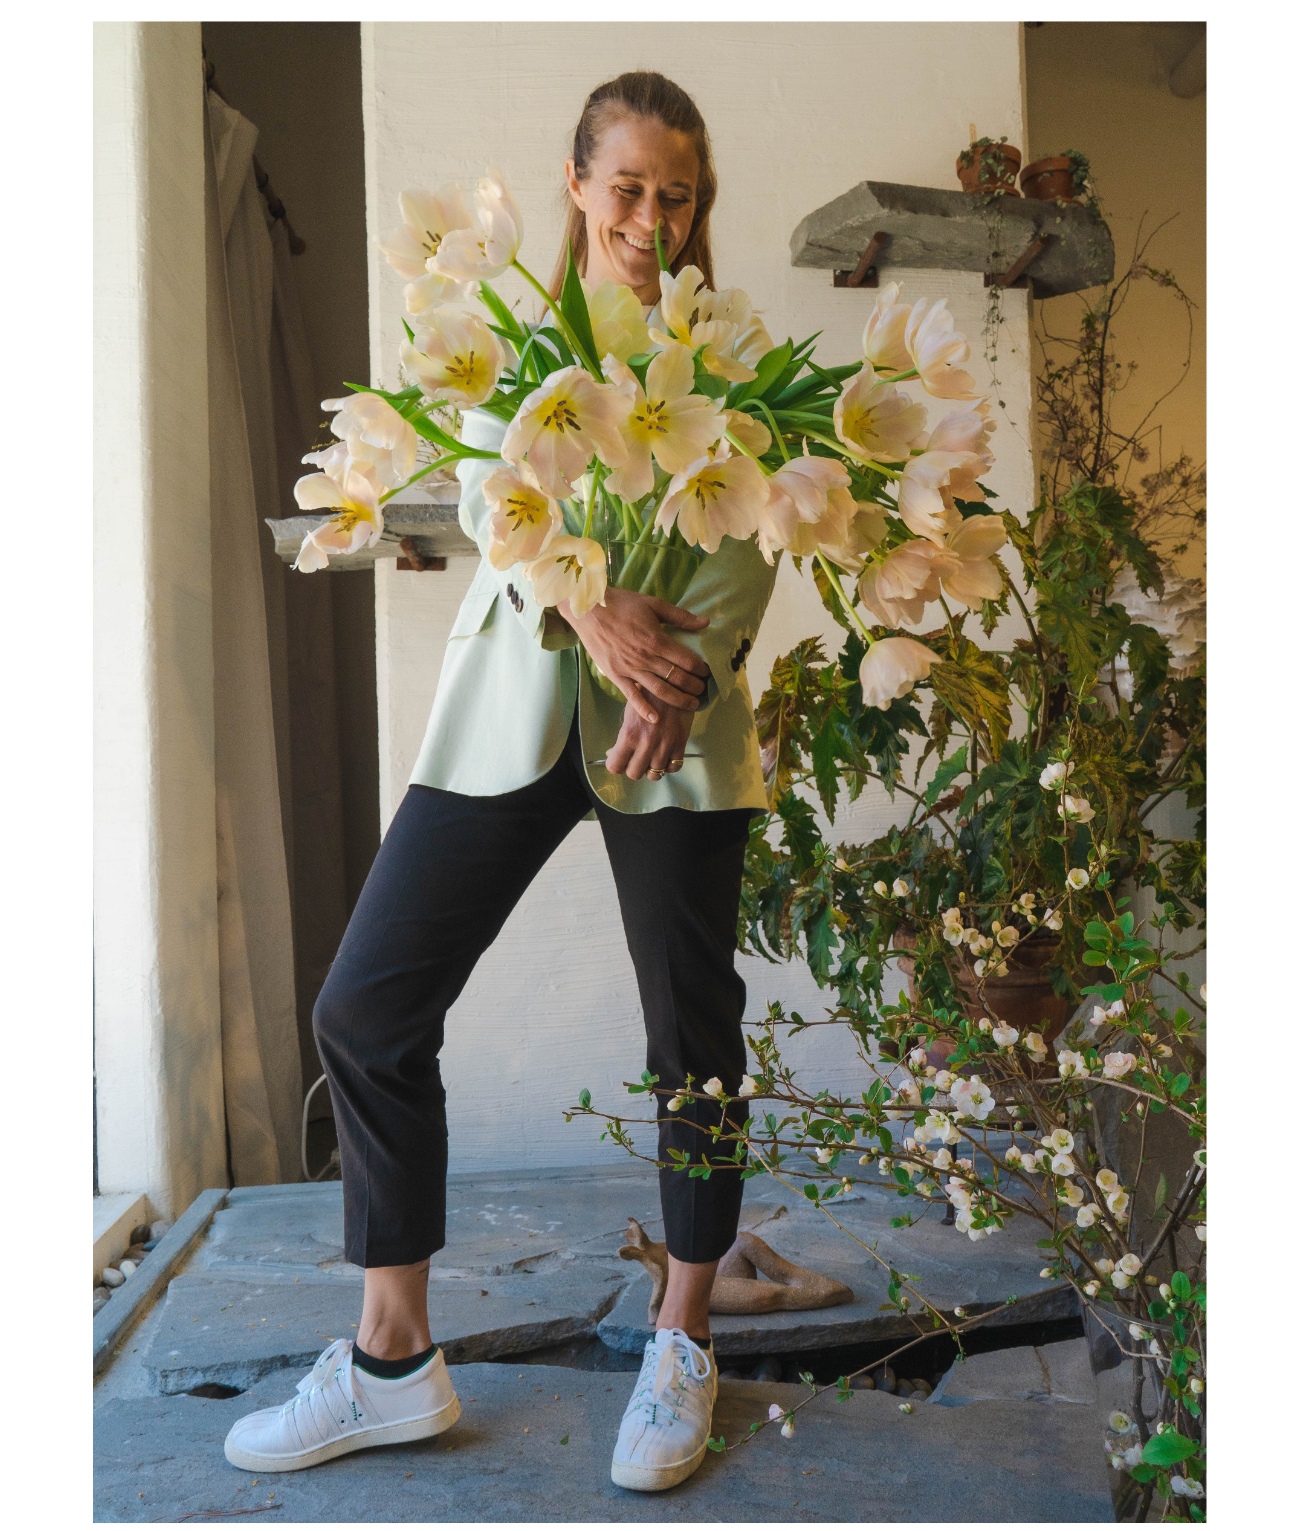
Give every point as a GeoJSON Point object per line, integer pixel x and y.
{"type": "Point", "coordinates": [1168, 1448]}
{"type": "Point", "coordinates": [768, 369]}
{"type": "Point", "coordinates": [975, 690]}
{"type": "Point", "coordinates": [572, 306]}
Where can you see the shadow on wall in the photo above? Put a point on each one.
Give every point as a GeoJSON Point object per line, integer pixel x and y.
{"type": "Point", "coordinates": [299, 83]}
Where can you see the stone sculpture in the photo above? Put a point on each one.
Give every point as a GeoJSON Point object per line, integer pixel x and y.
{"type": "Point", "coordinates": [789, 1288]}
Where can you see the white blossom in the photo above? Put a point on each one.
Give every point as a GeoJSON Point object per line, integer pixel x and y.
{"type": "Point", "coordinates": [713, 1087]}
{"type": "Point", "coordinates": [1086, 1217]}
{"type": "Point", "coordinates": [1077, 808]}
{"type": "Point", "coordinates": [1077, 878]}
{"type": "Point", "coordinates": [1091, 1288]}
{"type": "Point", "coordinates": [1064, 1165]}
{"type": "Point", "coordinates": [1200, 1231]}
{"type": "Point", "coordinates": [1121, 1423]}
{"type": "Point", "coordinates": [1052, 919]}
{"type": "Point", "coordinates": [788, 1430]}
{"type": "Point", "coordinates": [675, 1103]}
{"type": "Point", "coordinates": [1035, 1045]}
{"type": "Point", "coordinates": [1004, 1036]}
{"type": "Point", "coordinates": [900, 888]}
{"type": "Point", "coordinates": [748, 1087]}
{"type": "Point", "coordinates": [1189, 1488]}
{"type": "Point", "coordinates": [943, 1080]}
{"type": "Point", "coordinates": [1118, 1204]}
{"type": "Point", "coordinates": [880, 888]}
{"type": "Point", "coordinates": [1054, 775]}
{"type": "Point", "coordinates": [1107, 1181]}
{"type": "Point", "coordinates": [1059, 1140]}
{"type": "Point", "coordinates": [971, 1098]}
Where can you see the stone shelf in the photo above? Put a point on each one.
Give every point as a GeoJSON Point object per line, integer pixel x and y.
{"type": "Point", "coordinates": [951, 230]}
{"type": "Point", "coordinates": [430, 518]}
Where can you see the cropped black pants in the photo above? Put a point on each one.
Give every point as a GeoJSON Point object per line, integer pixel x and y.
{"type": "Point", "coordinates": [446, 876]}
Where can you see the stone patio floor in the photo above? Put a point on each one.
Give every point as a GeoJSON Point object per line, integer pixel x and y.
{"type": "Point", "coordinates": [531, 1268]}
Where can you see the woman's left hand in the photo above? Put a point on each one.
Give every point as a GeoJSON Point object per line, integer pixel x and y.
{"type": "Point", "coordinates": [646, 749]}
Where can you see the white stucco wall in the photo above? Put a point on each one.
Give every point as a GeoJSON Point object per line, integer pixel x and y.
{"type": "Point", "coordinates": [798, 114]}
{"type": "Point", "coordinates": [161, 1121]}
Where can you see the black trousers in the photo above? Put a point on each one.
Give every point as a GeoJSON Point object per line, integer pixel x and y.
{"type": "Point", "coordinates": [446, 876]}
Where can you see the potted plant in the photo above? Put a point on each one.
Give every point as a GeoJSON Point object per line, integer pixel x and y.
{"type": "Point", "coordinates": [989, 165]}
{"type": "Point", "coordinates": [1057, 178]}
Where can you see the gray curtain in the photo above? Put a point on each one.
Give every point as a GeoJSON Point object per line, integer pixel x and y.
{"type": "Point", "coordinates": [261, 1055]}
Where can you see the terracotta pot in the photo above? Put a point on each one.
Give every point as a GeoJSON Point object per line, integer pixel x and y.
{"type": "Point", "coordinates": [1049, 180]}
{"type": "Point", "coordinates": [1002, 162]}
{"type": "Point", "coordinates": [1023, 997]}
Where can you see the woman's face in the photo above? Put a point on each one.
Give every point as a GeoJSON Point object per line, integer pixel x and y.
{"type": "Point", "coordinates": [642, 172]}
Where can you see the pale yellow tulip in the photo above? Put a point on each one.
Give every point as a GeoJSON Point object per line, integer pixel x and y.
{"type": "Point", "coordinates": [874, 421]}
{"type": "Point", "coordinates": [976, 577]}
{"type": "Point", "coordinates": [966, 430]}
{"type": "Point", "coordinates": [488, 246]}
{"type": "Point", "coordinates": [617, 319]}
{"type": "Point", "coordinates": [884, 331]}
{"type": "Point", "coordinates": [358, 522]}
{"type": "Point", "coordinates": [797, 503]}
{"type": "Point", "coordinates": [667, 420]}
{"type": "Point", "coordinates": [426, 219]}
{"type": "Point", "coordinates": [937, 350]}
{"type": "Point", "coordinates": [427, 293]}
{"type": "Point", "coordinates": [752, 433]}
{"type": "Point", "coordinates": [898, 588]}
{"type": "Point", "coordinates": [524, 519]}
{"type": "Point", "coordinates": [723, 322]}
{"type": "Point", "coordinates": [891, 668]}
{"type": "Point", "coordinates": [924, 499]}
{"type": "Point", "coordinates": [849, 532]}
{"type": "Point", "coordinates": [571, 569]}
{"type": "Point", "coordinates": [563, 423]}
{"type": "Point", "coordinates": [456, 359]}
{"type": "Point", "coordinates": [716, 497]}
{"type": "Point", "coordinates": [378, 438]}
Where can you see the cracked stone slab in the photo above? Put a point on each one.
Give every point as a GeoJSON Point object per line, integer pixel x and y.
{"type": "Point", "coordinates": [235, 1332]}
{"type": "Point", "coordinates": [952, 1273]}
{"type": "Point", "coordinates": [495, 1223]}
{"type": "Point", "coordinates": [159, 1459]}
{"type": "Point", "coordinates": [1058, 1373]}
{"type": "Point", "coordinates": [951, 230]}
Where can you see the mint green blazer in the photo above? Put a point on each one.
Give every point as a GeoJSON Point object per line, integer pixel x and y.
{"type": "Point", "coordinates": [510, 682]}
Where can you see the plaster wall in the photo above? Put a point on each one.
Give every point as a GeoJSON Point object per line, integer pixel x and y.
{"type": "Point", "coordinates": [554, 1007]}
{"type": "Point", "coordinates": [161, 1122]}
{"type": "Point", "coordinates": [1103, 87]}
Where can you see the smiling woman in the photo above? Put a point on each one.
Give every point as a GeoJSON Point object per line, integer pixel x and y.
{"type": "Point", "coordinates": [641, 156]}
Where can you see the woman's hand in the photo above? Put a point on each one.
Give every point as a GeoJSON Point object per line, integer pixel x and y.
{"type": "Point", "coordinates": [626, 640]}
{"type": "Point", "coordinates": [644, 749]}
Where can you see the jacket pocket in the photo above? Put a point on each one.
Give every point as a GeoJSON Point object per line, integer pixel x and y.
{"type": "Point", "coordinates": [475, 613]}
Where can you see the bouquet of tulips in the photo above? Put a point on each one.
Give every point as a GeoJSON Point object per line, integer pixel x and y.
{"type": "Point", "coordinates": [630, 452]}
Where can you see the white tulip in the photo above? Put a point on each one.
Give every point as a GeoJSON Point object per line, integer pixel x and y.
{"type": "Point", "coordinates": [667, 420]}
{"type": "Point", "coordinates": [883, 343]}
{"type": "Point", "coordinates": [713, 498]}
{"type": "Point", "coordinates": [378, 438]}
{"type": "Point", "coordinates": [749, 432]}
{"type": "Point", "coordinates": [357, 524]}
{"type": "Point", "coordinates": [797, 502]}
{"type": "Point", "coordinates": [430, 292]}
{"type": "Point", "coordinates": [874, 421]}
{"type": "Point", "coordinates": [891, 668]}
{"type": "Point", "coordinates": [938, 350]}
{"type": "Point", "coordinates": [561, 425]}
{"type": "Point", "coordinates": [1077, 877]}
{"type": "Point", "coordinates": [524, 519]}
{"type": "Point", "coordinates": [489, 246]}
{"type": "Point", "coordinates": [426, 219]}
{"type": "Point", "coordinates": [898, 588]}
{"type": "Point", "coordinates": [571, 569]}
{"type": "Point", "coordinates": [973, 542]}
{"type": "Point", "coordinates": [924, 499]}
{"type": "Point", "coordinates": [456, 359]}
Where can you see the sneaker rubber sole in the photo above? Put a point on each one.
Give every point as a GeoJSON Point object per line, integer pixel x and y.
{"type": "Point", "coordinates": [419, 1429]}
{"type": "Point", "coordinates": [647, 1480]}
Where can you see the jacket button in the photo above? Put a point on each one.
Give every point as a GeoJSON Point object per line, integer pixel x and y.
{"type": "Point", "coordinates": [735, 662]}
{"type": "Point", "coordinates": [512, 594]}
{"type": "Point", "coordinates": [746, 645]}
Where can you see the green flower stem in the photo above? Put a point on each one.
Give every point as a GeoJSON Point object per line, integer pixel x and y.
{"type": "Point", "coordinates": [834, 579]}
{"type": "Point", "coordinates": [560, 319]}
{"type": "Point", "coordinates": [595, 481]}
{"type": "Point", "coordinates": [662, 263]}
{"type": "Point", "coordinates": [773, 425]}
{"type": "Point", "coordinates": [899, 377]}
{"type": "Point", "coordinates": [439, 463]}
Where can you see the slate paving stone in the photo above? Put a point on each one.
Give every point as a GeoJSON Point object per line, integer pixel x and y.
{"type": "Point", "coordinates": [1058, 1373]}
{"type": "Point", "coordinates": [952, 1273]}
{"type": "Point", "coordinates": [235, 1332]}
{"type": "Point", "coordinates": [158, 1459]}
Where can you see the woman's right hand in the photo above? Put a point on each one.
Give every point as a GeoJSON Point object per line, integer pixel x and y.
{"type": "Point", "coordinates": [625, 638]}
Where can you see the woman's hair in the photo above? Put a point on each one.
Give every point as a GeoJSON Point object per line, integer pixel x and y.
{"type": "Point", "coordinates": [642, 93]}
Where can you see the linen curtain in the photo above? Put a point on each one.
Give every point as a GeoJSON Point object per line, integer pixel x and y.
{"type": "Point", "coordinates": [260, 1046]}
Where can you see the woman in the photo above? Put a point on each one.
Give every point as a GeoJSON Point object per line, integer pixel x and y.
{"type": "Point", "coordinates": [521, 746]}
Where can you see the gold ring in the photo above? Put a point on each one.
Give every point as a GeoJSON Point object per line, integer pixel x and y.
{"type": "Point", "coordinates": [670, 672]}
{"type": "Point", "coordinates": [680, 761]}
{"type": "Point", "coordinates": [655, 774]}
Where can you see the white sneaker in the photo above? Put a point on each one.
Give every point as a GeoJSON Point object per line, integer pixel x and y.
{"type": "Point", "coordinates": [668, 1420]}
{"type": "Point", "coordinates": [339, 1408]}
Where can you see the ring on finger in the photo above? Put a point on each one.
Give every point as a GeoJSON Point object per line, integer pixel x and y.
{"type": "Point", "coordinates": [656, 774]}
{"type": "Point", "coordinates": [675, 764]}
{"type": "Point", "coordinates": [670, 672]}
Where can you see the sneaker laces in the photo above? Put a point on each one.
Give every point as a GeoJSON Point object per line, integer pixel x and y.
{"type": "Point", "coordinates": [678, 1352]}
{"type": "Point", "coordinates": [323, 1367]}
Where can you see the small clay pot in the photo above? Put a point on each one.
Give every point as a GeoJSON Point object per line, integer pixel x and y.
{"type": "Point", "coordinates": [1023, 997]}
{"type": "Point", "coordinates": [991, 167]}
{"type": "Point", "coordinates": [1049, 180]}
